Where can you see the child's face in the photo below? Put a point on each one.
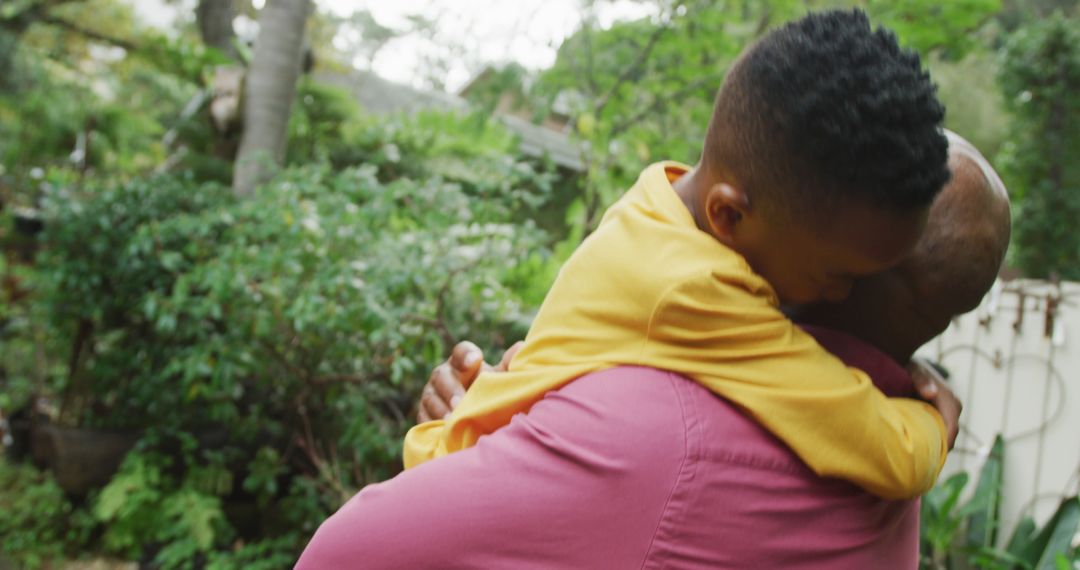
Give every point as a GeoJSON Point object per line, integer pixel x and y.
{"type": "Point", "coordinates": [807, 261]}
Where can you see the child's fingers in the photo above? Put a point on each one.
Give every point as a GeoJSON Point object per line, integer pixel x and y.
{"type": "Point", "coordinates": [448, 386]}
{"type": "Point", "coordinates": [466, 362]}
{"type": "Point", "coordinates": [466, 356]}
{"type": "Point", "coordinates": [504, 364]}
{"type": "Point", "coordinates": [926, 387]}
{"type": "Point", "coordinates": [926, 379]}
{"type": "Point", "coordinates": [931, 386]}
{"type": "Point", "coordinates": [449, 380]}
{"type": "Point", "coordinates": [950, 408]}
{"type": "Point", "coordinates": [432, 406]}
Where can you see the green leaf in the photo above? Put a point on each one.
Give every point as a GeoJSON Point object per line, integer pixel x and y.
{"type": "Point", "coordinates": [993, 559]}
{"type": "Point", "coordinates": [1022, 537]}
{"type": "Point", "coordinates": [1056, 537]}
{"type": "Point", "coordinates": [195, 515]}
{"type": "Point", "coordinates": [14, 8]}
{"type": "Point", "coordinates": [945, 496]}
{"type": "Point", "coordinates": [940, 522]}
{"type": "Point", "coordinates": [983, 509]}
{"type": "Point", "coordinates": [110, 501]}
{"type": "Point", "coordinates": [934, 25]}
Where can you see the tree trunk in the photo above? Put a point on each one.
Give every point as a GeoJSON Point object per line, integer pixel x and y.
{"type": "Point", "coordinates": [268, 94]}
{"type": "Point", "coordinates": [8, 44]}
{"type": "Point", "coordinates": [215, 19]}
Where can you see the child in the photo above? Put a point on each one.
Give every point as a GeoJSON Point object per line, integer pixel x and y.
{"type": "Point", "coordinates": [822, 157]}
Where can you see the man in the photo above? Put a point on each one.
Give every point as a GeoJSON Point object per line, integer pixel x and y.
{"type": "Point", "coordinates": [634, 467]}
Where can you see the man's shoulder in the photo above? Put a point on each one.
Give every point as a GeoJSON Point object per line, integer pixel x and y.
{"type": "Point", "coordinates": [626, 410]}
{"type": "Point", "coordinates": [646, 411]}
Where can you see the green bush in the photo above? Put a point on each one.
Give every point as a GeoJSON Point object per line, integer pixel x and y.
{"type": "Point", "coordinates": [38, 524]}
{"type": "Point", "coordinates": [1040, 76]}
{"type": "Point", "coordinates": [179, 299]}
{"type": "Point", "coordinates": [271, 349]}
{"type": "Point", "coordinates": [962, 535]}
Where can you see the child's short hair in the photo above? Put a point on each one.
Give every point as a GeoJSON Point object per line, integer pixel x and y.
{"type": "Point", "coordinates": [826, 109]}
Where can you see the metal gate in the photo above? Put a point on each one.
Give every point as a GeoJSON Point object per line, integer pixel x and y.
{"type": "Point", "coordinates": [1015, 363]}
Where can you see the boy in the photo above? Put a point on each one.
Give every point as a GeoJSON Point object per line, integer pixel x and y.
{"type": "Point", "coordinates": [822, 157]}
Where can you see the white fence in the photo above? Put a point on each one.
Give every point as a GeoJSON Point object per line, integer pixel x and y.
{"type": "Point", "coordinates": [1015, 362]}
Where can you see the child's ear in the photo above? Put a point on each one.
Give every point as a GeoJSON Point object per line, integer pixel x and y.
{"type": "Point", "coordinates": [725, 207]}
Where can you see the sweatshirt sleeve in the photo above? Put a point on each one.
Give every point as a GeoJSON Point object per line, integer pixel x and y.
{"type": "Point", "coordinates": [737, 344]}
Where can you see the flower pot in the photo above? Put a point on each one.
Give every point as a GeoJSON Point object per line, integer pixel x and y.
{"type": "Point", "coordinates": [80, 459]}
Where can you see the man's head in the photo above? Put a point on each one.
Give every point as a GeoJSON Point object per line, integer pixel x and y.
{"type": "Point", "coordinates": [952, 267]}
{"type": "Point", "coordinates": [823, 153]}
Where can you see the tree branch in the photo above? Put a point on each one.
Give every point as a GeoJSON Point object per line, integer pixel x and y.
{"type": "Point", "coordinates": [659, 102]}
{"type": "Point", "coordinates": [284, 362]}
{"type": "Point", "coordinates": [91, 34]}
{"type": "Point", "coordinates": [339, 379]}
{"type": "Point", "coordinates": [590, 75]}
{"type": "Point", "coordinates": [632, 69]}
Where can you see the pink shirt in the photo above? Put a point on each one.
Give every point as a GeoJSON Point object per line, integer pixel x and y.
{"type": "Point", "coordinates": [626, 468]}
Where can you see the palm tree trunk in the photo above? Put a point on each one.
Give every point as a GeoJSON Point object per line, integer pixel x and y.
{"type": "Point", "coordinates": [268, 95]}
{"type": "Point", "coordinates": [215, 20]}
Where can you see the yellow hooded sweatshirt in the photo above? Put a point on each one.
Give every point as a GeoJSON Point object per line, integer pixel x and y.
{"type": "Point", "coordinates": [649, 288]}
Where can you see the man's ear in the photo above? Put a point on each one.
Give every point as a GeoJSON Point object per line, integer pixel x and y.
{"type": "Point", "coordinates": [725, 207]}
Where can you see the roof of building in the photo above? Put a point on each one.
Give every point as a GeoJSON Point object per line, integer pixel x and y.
{"type": "Point", "coordinates": [380, 96]}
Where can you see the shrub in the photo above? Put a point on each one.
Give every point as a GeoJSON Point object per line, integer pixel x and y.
{"type": "Point", "coordinates": [956, 534]}
{"type": "Point", "coordinates": [1040, 75]}
{"type": "Point", "coordinates": [270, 349]}
{"type": "Point", "coordinates": [38, 522]}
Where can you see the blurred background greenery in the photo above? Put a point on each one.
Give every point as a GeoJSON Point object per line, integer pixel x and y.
{"type": "Point", "coordinates": [238, 255]}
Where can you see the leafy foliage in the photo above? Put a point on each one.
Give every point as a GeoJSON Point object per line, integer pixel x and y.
{"type": "Point", "coordinates": [21, 339]}
{"type": "Point", "coordinates": [273, 346]}
{"type": "Point", "coordinates": [39, 523]}
{"type": "Point", "coordinates": [1040, 76]}
{"type": "Point", "coordinates": [1049, 547]}
{"type": "Point", "coordinates": [321, 115]}
{"type": "Point", "coordinates": [642, 91]}
{"type": "Point", "coordinates": [145, 505]}
{"type": "Point", "coordinates": [80, 101]}
{"type": "Point", "coordinates": [972, 98]}
{"type": "Point", "coordinates": [957, 534]}
{"type": "Point", "coordinates": [927, 25]}
{"type": "Point", "coordinates": [282, 336]}
{"type": "Point", "coordinates": [270, 350]}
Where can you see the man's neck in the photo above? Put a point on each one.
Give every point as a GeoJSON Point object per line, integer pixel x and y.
{"type": "Point", "coordinates": [843, 318]}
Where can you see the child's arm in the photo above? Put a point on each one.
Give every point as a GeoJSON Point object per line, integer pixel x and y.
{"type": "Point", "coordinates": [441, 395]}
{"type": "Point", "coordinates": [931, 387]}
{"type": "Point", "coordinates": [449, 380]}
{"type": "Point", "coordinates": [740, 346]}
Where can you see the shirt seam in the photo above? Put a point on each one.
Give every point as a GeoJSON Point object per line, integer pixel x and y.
{"type": "Point", "coordinates": [757, 463]}
{"type": "Point", "coordinates": [679, 474]}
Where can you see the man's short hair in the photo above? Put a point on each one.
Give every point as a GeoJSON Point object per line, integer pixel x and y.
{"type": "Point", "coordinates": [824, 110]}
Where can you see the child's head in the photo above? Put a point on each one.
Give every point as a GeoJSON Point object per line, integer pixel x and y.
{"type": "Point", "coordinates": [953, 266]}
{"type": "Point", "coordinates": [823, 155]}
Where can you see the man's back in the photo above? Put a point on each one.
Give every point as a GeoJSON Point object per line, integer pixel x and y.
{"type": "Point", "coordinates": [625, 468]}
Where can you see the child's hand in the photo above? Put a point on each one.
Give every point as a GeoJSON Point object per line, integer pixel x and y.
{"type": "Point", "coordinates": [932, 388]}
{"type": "Point", "coordinates": [449, 380]}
